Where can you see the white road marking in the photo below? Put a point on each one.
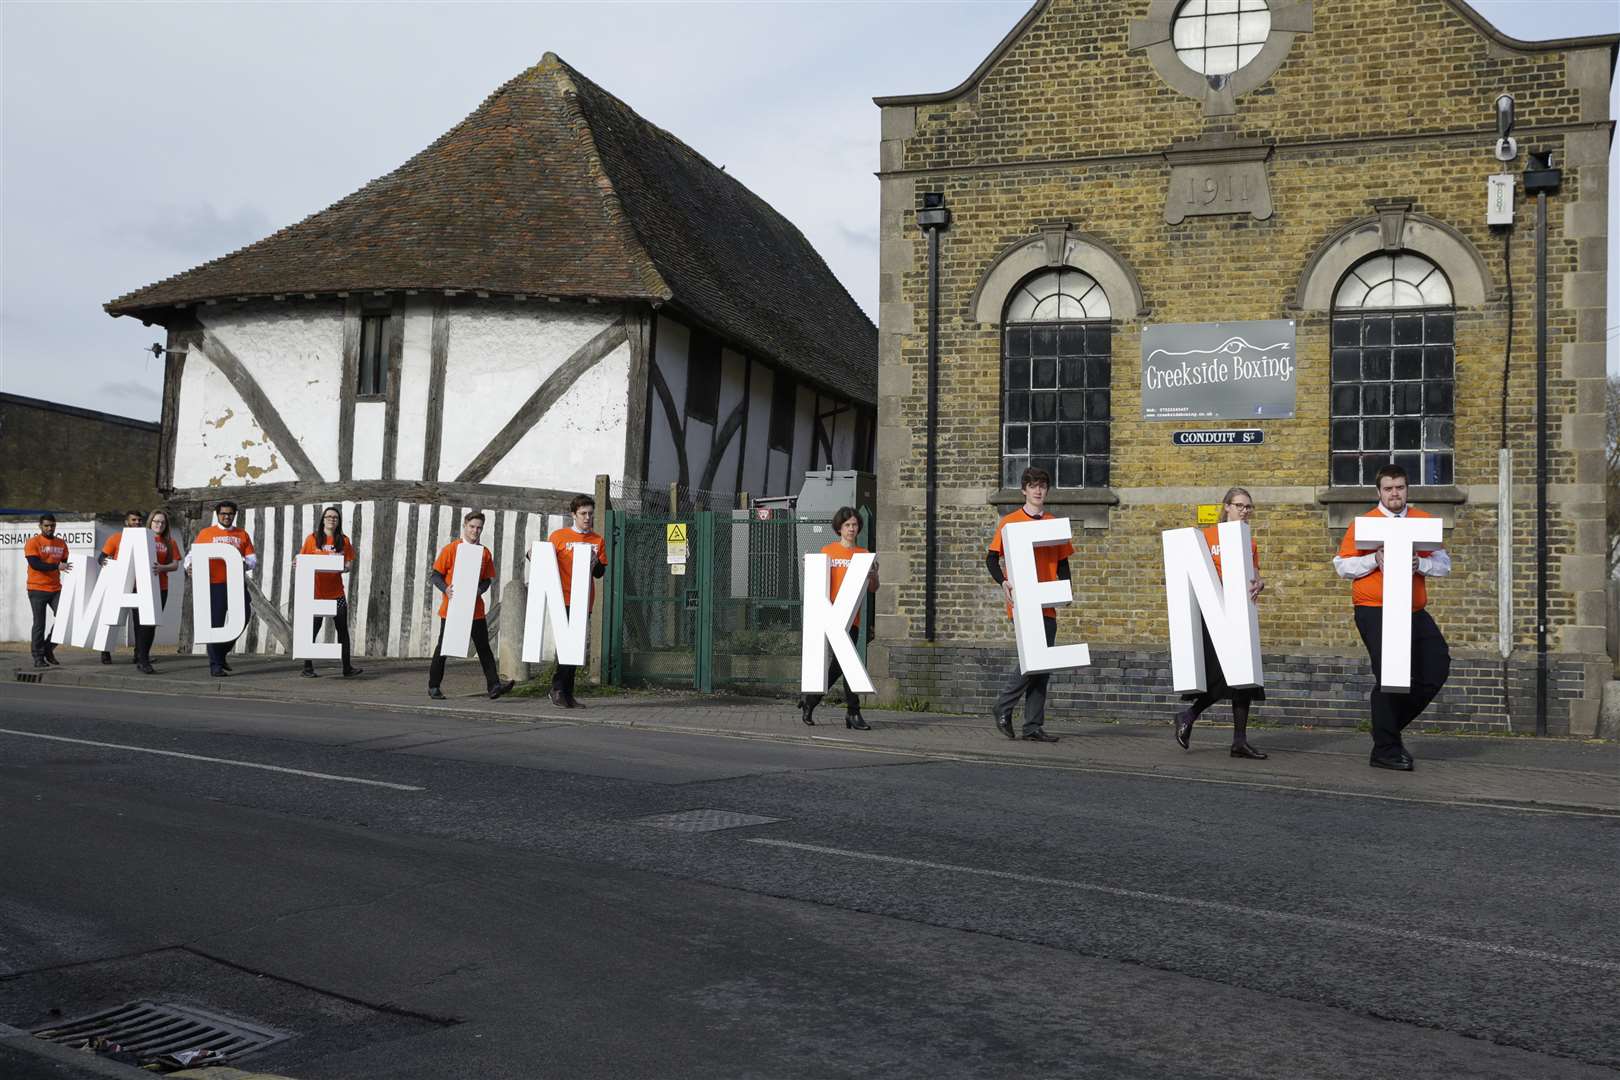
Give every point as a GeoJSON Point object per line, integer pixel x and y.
{"type": "Point", "coordinates": [215, 760]}
{"type": "Point", "coordinates": [1206, 905]}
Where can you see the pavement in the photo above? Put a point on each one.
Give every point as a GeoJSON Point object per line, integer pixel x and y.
{"type": "Point", "coordinates": [1556, 774]}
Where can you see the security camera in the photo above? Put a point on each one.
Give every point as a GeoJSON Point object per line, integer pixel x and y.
{"type": "Point", "coordinates": [1507, 148]}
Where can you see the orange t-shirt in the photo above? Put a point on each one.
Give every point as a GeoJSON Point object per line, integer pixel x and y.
{"type": "Point", "coordinates": [51, 549]}
{"type": "Point", "coordinates": [561, 539]}
{"type": "Point", "coordinates": [115, 544]}
{"type": "Point", "coordinates": [1212, 537]}
{"type": "Point", "coordinates": [445, 564]}
{"type": "Point", "coordinates": [838, 557]}
{"type": "Point", "coordinates": [237, 538]}
{"type": "Point", "coordinates": [1368, 591]}
{"type": "Point", "coordinates": [1046, 558]}
{"type": "Point", "coordinates": [328, 583]}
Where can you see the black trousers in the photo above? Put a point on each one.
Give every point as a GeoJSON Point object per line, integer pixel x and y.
{"type": "Point", "coordinates": [39, 601]}
{"type": "Point", "coordinates": [486, 658]}
{"type": "Point", "coordinates": [852, 700]}
{"type": "Point", "coordinates": [1032, 688]}
{"type": "Point", "coordinates": [217, 596]}
{"type": "Point", "coordinates": [1431, 664]}
{"type": "Point", "coordinates": [340, 623]}
{"type": "Point", "coordinates": [144, 636]}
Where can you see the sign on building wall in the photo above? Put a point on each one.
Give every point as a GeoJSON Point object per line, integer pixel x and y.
{"type": "Point", "coordinates": [16, 617]}
{"type": "Point", "coordinates": [1218, 371]}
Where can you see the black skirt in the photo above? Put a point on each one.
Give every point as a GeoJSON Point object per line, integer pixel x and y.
{"type": "Point", "coordinates": [1215, 678]}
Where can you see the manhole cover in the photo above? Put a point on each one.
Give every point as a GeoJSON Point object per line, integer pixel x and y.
{"type": "Point", "coordinates": [149, 1029]}
{"type": "Point", "coordinates": [703, 820]}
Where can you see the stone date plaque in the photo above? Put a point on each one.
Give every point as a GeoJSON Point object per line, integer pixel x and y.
{"type": "Point", "coordinates": [1217, 177]}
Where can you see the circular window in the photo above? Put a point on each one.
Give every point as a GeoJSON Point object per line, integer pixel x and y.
{"type": "Point", "coordinates": [1217, 37]}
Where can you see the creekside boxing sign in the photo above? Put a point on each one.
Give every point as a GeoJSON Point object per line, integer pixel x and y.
{"type": "Point", "coordinates": [1218, 371]}
{"type": "Point", "coordinates": [1195, 594]}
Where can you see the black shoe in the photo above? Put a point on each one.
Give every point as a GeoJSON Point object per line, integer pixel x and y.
{"type": "Point", "coordinates": [1039, 736]}
{"type": "Point", "coordinates": [309, 671]}
{"type": "Point", "coordinates": [106, 657]}
{"type": "Point", "coordinates": [435, 693]}
{"type": "Point", "coordinates": [557, 699]}
{"type": "Point", "coordinates": [226, 665]}
{"type": "Point", "coordinates": [219, 673]}
{"type": "Point", "coordinates": [1004, 725]}
{"type": "Point", "coordinates": [856, 722]}
{"type": "Point", "coordinates": [1184, 723]}
{"type": "Point", "coordinates": [500, 688]}
{"type": "Point", "coordinates": [50, 658]}
{"type": "Point", "coordinates": [572, 702]}
{"type": "Point", "coordinates": [1244, 750]}
{"type": "Point", "coordinates": [807, 710]}
{"type": "Point", "coordinates": [1391, 761]}
{"type": "Point", "coordinates": [39, 661]}
{"type": "Point", "coordinates": [146, 669]}
{"type": "Point", "coordinates": [351, 672]}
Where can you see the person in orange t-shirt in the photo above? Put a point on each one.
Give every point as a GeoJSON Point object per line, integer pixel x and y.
{"type": "Point", "coordinates": [847, 524]}
{"type": "Point", "coordinates": [1431, 656]}
{"type": "Point", "coordinates": [1051, 563]}
{"type": "Point", "coordinates": [47, 558]}
{"type": "Point", "coordinates": [579, 531]}
{"type": "Point", "coordinates": [328, 539]}
{"type": "Point", "coordinates": [133, 519]}
{"type": "Point", "coordinates": [443, 579]}
{"type": "Point", "coordinates": [166, 559]}
{"type": "Point", "coordinates": [224, 531]}
{"type": "Point", "coordinates": [1238, 505]}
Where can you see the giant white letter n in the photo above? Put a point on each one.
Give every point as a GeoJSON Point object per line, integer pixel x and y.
{"type": "Point", "coordinates": [1194, 592]}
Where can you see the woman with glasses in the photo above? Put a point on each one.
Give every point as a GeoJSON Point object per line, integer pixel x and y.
{"type": "Point", "coordinates": [1238, 505]}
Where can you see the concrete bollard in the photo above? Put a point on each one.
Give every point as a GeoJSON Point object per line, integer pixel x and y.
{"type": "Point", "coordinates": [509, 646]}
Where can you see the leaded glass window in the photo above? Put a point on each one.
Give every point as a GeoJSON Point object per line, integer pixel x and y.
{"type": "Point", "coordinates": [1216, 37]}
{"type": "Point", "coordinates": [1056, 372]}
{"type": "Point", "coordinates": [1394, 372]}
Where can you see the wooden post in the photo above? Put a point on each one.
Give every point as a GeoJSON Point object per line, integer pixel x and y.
{"type": "Point", "coordinates": [604, 503]}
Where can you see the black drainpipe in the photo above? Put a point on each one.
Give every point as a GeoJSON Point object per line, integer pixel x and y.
{"type": "Point", "coordinates": [1539, 179]}
{"type": "Point", "coordinates": [933, 219]}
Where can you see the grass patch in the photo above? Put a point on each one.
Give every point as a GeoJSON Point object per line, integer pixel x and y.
{"type": "Point", "coordinates": [540, 686]}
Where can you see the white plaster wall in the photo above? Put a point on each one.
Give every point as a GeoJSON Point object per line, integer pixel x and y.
{"type": "Point", "coordinates": [843, 439]}
{"type": "Point", "coordinates": [674, 341]}
{"type": "Point", "coordinates": [580, 436]}
{"type": "Point", "coordinates": [756, 467]}
{"type": "Point", "coordinates": [370, 417]}
{"type": "Point", "coordinates": [218, 443]}
{"type": "Point", "coordinates": [804, 420]}
{"type": "Point", "coordinates": [781, 468]}
{"type": "Point", "coordinates": [415, 379]}
{"type": "Point", "coordinates": [500, 353]}
{"type": "Point", "coordinates": [294, 351]}
{"type": "Point", "coordinates": [699, 444]}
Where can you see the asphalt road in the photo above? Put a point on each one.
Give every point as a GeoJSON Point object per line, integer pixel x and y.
{"type": "Point", "coordinates": [414, 896]}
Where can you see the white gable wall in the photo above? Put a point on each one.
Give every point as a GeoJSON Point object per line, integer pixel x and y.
{"type": "Point", "coordinates": [580, 436]}
{"type": "Point", "coordinates": [415, 382]}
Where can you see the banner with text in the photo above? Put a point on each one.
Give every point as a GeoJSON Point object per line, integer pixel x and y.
{"type": "Point", "coordinates": [1218, 371]}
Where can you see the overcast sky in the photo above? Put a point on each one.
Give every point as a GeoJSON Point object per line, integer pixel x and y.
{"type": "Point", "coordinates": [140, 139]}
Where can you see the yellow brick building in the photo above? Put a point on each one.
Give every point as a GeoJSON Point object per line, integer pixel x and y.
{"type": "Point", "coordinates": [1117, 166]}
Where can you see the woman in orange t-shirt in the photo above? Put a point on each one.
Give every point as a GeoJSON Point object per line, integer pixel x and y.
{"type": "Point", "coordinates": [328, 539]}
{"type": "Point", "coordinates": [847, 524]}
{"type": "Point", "coordinates": [1237, 506]}
{"type": "Point", "coordinates": [166, 560]}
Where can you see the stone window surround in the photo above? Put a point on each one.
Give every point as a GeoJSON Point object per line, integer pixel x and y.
{"type": "Point", "coordinates": [1218, 93]}
{"type": "Point", "coordinates": [1392, 228]}
{"type": "Point", "coordinates": [1055, 245]}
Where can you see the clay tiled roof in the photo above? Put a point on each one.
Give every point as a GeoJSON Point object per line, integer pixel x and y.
{"type": "Point", "coordinates": [554, 187]}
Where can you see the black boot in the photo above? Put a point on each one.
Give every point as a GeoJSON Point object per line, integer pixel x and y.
{"type": "Point", "coordinates": [1240, 739]}
{"type": "Point", "coordinates": [309, 669]}
{"type": "Point", "coordinates": [807, 708]}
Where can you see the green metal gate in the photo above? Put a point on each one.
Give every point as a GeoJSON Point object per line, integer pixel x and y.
{"type": "Point", "coordinates": [709, 599]}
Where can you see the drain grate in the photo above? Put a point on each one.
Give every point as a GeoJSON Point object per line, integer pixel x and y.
{"type": "Point", "coordinates": [149, 1029]}
{"type": "Point", "coordinates": [702, 820]}
{"type": "Point", "coordinates": [29, 676]}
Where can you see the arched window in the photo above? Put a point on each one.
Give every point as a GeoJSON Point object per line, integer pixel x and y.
{"type": "Point", "coordinates": [1056, 371]}
{"type": "Point", "coordinates": [1394, 371]}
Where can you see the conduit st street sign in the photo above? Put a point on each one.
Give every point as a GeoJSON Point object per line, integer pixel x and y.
{"type": "Point", "coordinates": [1218, 371]}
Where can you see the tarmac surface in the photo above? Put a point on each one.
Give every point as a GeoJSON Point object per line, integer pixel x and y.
{"type": "Point", "coordinates": [479, 888]}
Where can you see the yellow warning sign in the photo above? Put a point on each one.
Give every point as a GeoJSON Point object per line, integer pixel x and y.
{"type": "Point", "coordinates": [1209, 514]}
{"type": "Point", "coordinates": [675, 534]}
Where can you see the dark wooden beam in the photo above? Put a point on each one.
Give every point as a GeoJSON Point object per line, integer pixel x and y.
{"type": "Point", "coordinates": [264, 413]}
{"type": "Point", "coordinates": [722, 439]}
{"type": "Point", "coordinates": [379, 599]}
{"type": "Point", "coordinates": [556, 385]}
{"type": "Point", "coordinates": [439, 362]}
{"type": "Point", "coordinates": [484, 496]}
{"type": "Point", "coordinates": [396, 362]}
{"type": "Point", "coordinates": [346, 391]}
{"type": "Point", "coordinates": [638, 326]}
{"type": "Point", "coordinates": [182, 336]}
{"type": "Point", "coordinates": [677, 434]}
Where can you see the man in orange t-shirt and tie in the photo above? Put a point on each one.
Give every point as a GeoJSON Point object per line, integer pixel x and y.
{"type": "Point", "coordinates": [443, 579]}
{"type": "Point", "coordinates": [47, 557]}
{"type": "Point", "coordinates": [579, 531]}
{"type": "Point", "coordinates": [1051, 564]}
{"type": "Point", "coordinates": [1431, 658]}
